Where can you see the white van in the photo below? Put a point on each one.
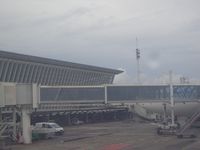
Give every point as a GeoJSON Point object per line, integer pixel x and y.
{"type": "Point", "coordinates": [49, 128]}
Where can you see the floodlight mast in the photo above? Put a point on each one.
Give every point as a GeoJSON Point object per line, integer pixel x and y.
{"type": "Point", "coordinates": [172, 97]}
{"type": "Point", "coordinates": [138, 61]}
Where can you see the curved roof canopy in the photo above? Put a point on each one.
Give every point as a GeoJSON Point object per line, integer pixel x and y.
{"type": "Point", "coordinates": [20, 68]}
{"type": "Point", "coordinates": [36, 59]}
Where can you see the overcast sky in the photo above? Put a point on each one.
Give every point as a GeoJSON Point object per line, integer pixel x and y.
{"type": "Point", "coordinates": [103, 33]}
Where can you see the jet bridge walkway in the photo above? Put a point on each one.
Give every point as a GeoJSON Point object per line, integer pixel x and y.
{"type": "Point", "coordinates": [26, 99]}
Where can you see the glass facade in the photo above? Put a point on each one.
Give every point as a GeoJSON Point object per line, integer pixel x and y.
{"type": "Point", "coordinates": [123, 93]}
{"type": "Point", "coordinates": [185, 92]}
{"type": "Point", "coordinates": [120, 93]}
{"type": "Point", "coordinates": [72, 94]}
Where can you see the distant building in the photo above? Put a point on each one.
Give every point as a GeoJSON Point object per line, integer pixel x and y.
{"type": "Point", "coordinates": [21, 68]}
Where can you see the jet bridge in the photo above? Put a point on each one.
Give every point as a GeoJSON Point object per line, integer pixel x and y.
{"type": "Point", "coordinates": [17, 99]}
{"type": "Point", "coordinates": [24, 99]}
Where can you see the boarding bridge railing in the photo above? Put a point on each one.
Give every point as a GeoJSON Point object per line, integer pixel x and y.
{"type": "Point", "coordinates": [188, 123]}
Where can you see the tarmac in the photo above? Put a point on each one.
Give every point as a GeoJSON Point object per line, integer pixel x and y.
{"type": "Point", "coordinates": [123, 135]}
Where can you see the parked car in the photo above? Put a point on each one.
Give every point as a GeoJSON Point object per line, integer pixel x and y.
{"type": "Point", "coordinates": [47, 129]}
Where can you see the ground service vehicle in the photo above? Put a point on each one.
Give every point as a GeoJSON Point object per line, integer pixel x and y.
{"type": "Point", "coordinates": [47, 129]}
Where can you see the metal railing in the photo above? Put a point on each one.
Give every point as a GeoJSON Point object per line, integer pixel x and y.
{"type": "Point", "coordinates": [188, 123]}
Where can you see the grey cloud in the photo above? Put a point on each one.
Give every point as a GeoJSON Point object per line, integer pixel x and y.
{"type": "Point", "coordinates": [103, 33]}
{"type": "Point", "coordinates": [43, 19]}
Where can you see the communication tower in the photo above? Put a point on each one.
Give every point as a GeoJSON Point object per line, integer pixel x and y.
{"type": "Point", "coordinates": [138, 61]}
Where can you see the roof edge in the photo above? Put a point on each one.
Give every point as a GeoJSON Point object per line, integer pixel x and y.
{"type": "Point", "coordinates": [44, 60]}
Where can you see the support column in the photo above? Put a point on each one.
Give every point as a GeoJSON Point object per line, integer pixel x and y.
{"type": "Point", "coordinates": [1, 116]}
{"type": "Point", "coordinates": [131, 111]}
{"type": "Point", "coordinates": [102, 116]}
{"type": "Point", "coordinates": [164, 113]}
{"type": "Point", "coordinates": [106, 95]}
{"type": "Point", "coordinates": [171, 98]}
{"type": "Point", "coordinates": [69, 119]}
{"type": "Point", "coordinates": [26, 126]}
{"type": "Point", "coordinates": [115, 115]}
{"type": "Point", "coordinates": [86, 117]}
{"type": "Point", "coordinates": [14, 124]}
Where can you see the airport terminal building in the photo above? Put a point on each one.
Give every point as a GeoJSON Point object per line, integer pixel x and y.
{"type": "Point", "coordinates": [37, 89]}
{"type": "Point", "coordinates": [20, 68]}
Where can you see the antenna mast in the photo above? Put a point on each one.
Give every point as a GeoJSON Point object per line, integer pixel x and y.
{"type": "Point", "coordinates": [138, 61]}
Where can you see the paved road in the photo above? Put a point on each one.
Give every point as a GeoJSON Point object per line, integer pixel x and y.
{"type": "Point", "coordinates": [127, 135]}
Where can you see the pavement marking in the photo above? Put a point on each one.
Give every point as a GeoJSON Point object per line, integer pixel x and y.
{"type": "Point", "coordinates": [115, 147]}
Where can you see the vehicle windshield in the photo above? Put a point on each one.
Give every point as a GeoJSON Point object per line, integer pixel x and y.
{"type": "Point", "coordinates": [55, 125]}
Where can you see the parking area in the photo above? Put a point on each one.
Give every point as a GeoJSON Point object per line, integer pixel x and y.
{"type": "Point", "coordinates": [125, 135]}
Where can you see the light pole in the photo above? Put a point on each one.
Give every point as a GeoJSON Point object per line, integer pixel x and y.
{"type": "Point", "coordinates": [171, 97]}
{"type": "Point", "coordinates": [138, 61]}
